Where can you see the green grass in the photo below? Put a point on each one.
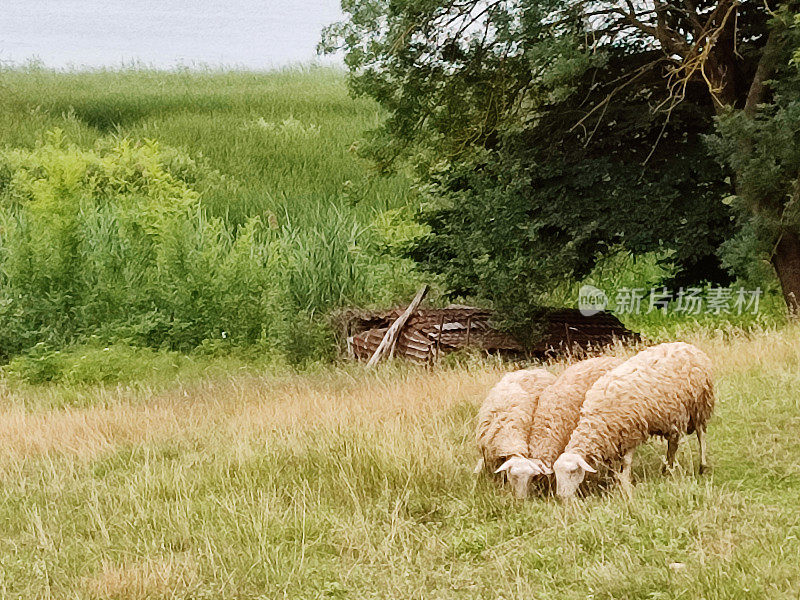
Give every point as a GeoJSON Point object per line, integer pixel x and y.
{"type": "Point", "coordinates": [347, 484]}
{"type": "Point", "coordinates": [645, 273]}
{"type": "Point", "coordinates": [284, 139]}
{"type": "Point", "coordinates": [272, 150]}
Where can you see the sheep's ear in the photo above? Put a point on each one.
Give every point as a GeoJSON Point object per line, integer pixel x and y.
{"type": "Point", "coordinates": [538, 467]}
{"type": "Point", "coordinates": [479, 466]}
{"type": "Point", "coordinates": [585, 466]}
{"type": "Point", "coordinates": [505, 466]}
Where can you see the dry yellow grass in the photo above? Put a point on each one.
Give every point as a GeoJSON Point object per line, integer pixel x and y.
{"type": "Point", "coordinates": [141, 580]}
{"type": "Point", "coordinates": [238, 409]}
{"type": "Point", "coordinates": [349, 484]}
{"type": "Point", "coordinates": [249, 406]}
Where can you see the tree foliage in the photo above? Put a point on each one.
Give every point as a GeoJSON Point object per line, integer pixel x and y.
{"type": "Point", "coordinates": [763, 149]}
{"type": "Point", "coordinates": [549, 132]}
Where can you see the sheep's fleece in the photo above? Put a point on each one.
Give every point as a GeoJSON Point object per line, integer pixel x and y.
{"type": "Point", "coordinates": [505, 416]}
{"type": "Point", "coordinates": [666, 390]}
{"type": "Point", "coordinates": [560, 407]}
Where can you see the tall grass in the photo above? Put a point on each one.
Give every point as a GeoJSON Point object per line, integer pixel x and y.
{"type": "Point", "coordinates": [352, 484]}
{"type": "Point", "coordinates": [282, 138]}
{"type": "Point", "coordinates": [278, 220]}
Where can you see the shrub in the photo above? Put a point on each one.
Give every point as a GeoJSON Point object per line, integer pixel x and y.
{"type": "Point", "coordinates": [91, 364]}
{"type": "Point", "coordinates": [40, 365]}
{"type": "Point", "coordinates": [113, 242]}
{"type": "Point", "coordinates": [110, 241]}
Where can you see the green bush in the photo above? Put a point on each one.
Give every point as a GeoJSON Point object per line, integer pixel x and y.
{"type": "Point", "coordinates": [113, 242]}
{"type": "Point", "coordinates": [110, 241]}
{"type": "Point", "coordinates": [40, 365]}
{"type": "Point", "coordinates": [92, 364]}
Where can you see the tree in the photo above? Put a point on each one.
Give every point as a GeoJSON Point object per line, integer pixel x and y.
{"type": "Point", "coordinates": [761, 145]}
{"type": "Point", "coordinates": [552, 130]}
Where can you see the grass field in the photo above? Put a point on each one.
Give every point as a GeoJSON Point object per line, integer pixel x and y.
{"type": "Point", "coordinates": [289, 223]}
{"type": "Point", "coordinates": [211, 469]}
{"type": "Point", "coordinates": [338, 483]}
{"type": "Point", "coordinates": [283, 138]}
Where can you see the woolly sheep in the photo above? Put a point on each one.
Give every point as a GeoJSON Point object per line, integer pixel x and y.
{"type": "Point", "coordinates": [533, 381]}
{"type": "Point", "coordinates": [504, 421]}
{"type": "Point", "coordinates": [666, 390]}
{"type": "Point", "coordinates": [559, 410]}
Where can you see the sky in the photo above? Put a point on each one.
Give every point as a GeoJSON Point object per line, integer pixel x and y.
{"type": "Point", "coordinates": [252, 34]}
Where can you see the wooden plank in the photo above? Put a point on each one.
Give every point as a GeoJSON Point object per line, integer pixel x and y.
{"type": "Point", "coordinates": [389, 341]}
{"type": "Point", "coordinates": [439, 337]}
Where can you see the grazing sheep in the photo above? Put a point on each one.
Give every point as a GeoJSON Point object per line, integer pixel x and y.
{"type": "Point", "coordinates": [531, 380]}
{"type": "Point", "coordinates": [666, 390]}
{"type": "Point", "coordinates": [504, 421]}
{"type": "Point", "coordinates": [560, 408]}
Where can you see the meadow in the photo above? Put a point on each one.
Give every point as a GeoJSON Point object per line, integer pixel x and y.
{"type": "Point", "coordinates": [343, 483]}
{"type": "Point", "coordinates": [174, 422]}
{"type": "Point", "coordinates": [172, 209]}
{"type": "Point", "coordinates": [283, 138]}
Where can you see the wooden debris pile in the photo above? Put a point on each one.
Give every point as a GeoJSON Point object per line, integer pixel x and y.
{"type": "Point", "coordinates": [428, 333]}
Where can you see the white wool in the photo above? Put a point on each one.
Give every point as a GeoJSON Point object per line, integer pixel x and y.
{"type": "Point", "coordinates": [666, 390]}
{"type": "Point", "coordinates": [560, 405]}
{"type": "Point", "coordinates": [505, 417]}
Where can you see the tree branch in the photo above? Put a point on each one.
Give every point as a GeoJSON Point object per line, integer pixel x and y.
{"type": "Point", "coordinates": [668, 39]}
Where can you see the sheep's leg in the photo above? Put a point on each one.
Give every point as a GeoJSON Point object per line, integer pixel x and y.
{"type": "Point", "coordinates": [624, 475]}
{"type": "Point", "coordinates": [701, 441]}
{"type": "Point", "coordinates": [672, 449]}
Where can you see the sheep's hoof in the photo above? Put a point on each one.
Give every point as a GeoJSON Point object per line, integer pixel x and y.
{"type": "Point", "coordinates": [702, 469]}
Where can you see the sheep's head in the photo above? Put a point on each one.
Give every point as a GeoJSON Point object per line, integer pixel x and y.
{"type": "Point", "coordinates": [570, 469]}
{"type": "Point", "coordinates": [519, 471]}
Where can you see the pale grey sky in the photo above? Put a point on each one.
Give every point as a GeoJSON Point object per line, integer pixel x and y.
{"type": "Point", "coordinates": [254, 34]}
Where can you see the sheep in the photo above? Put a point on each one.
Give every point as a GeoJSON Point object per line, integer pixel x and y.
{"type": "Point", "coordinates": [666, 390]}
{"type": "Point", "coordinates": [531, 380]}
{"type": "Point", "coordinates": [504, 420]}
{"type": "Point", "coordinates": [559, 410]}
